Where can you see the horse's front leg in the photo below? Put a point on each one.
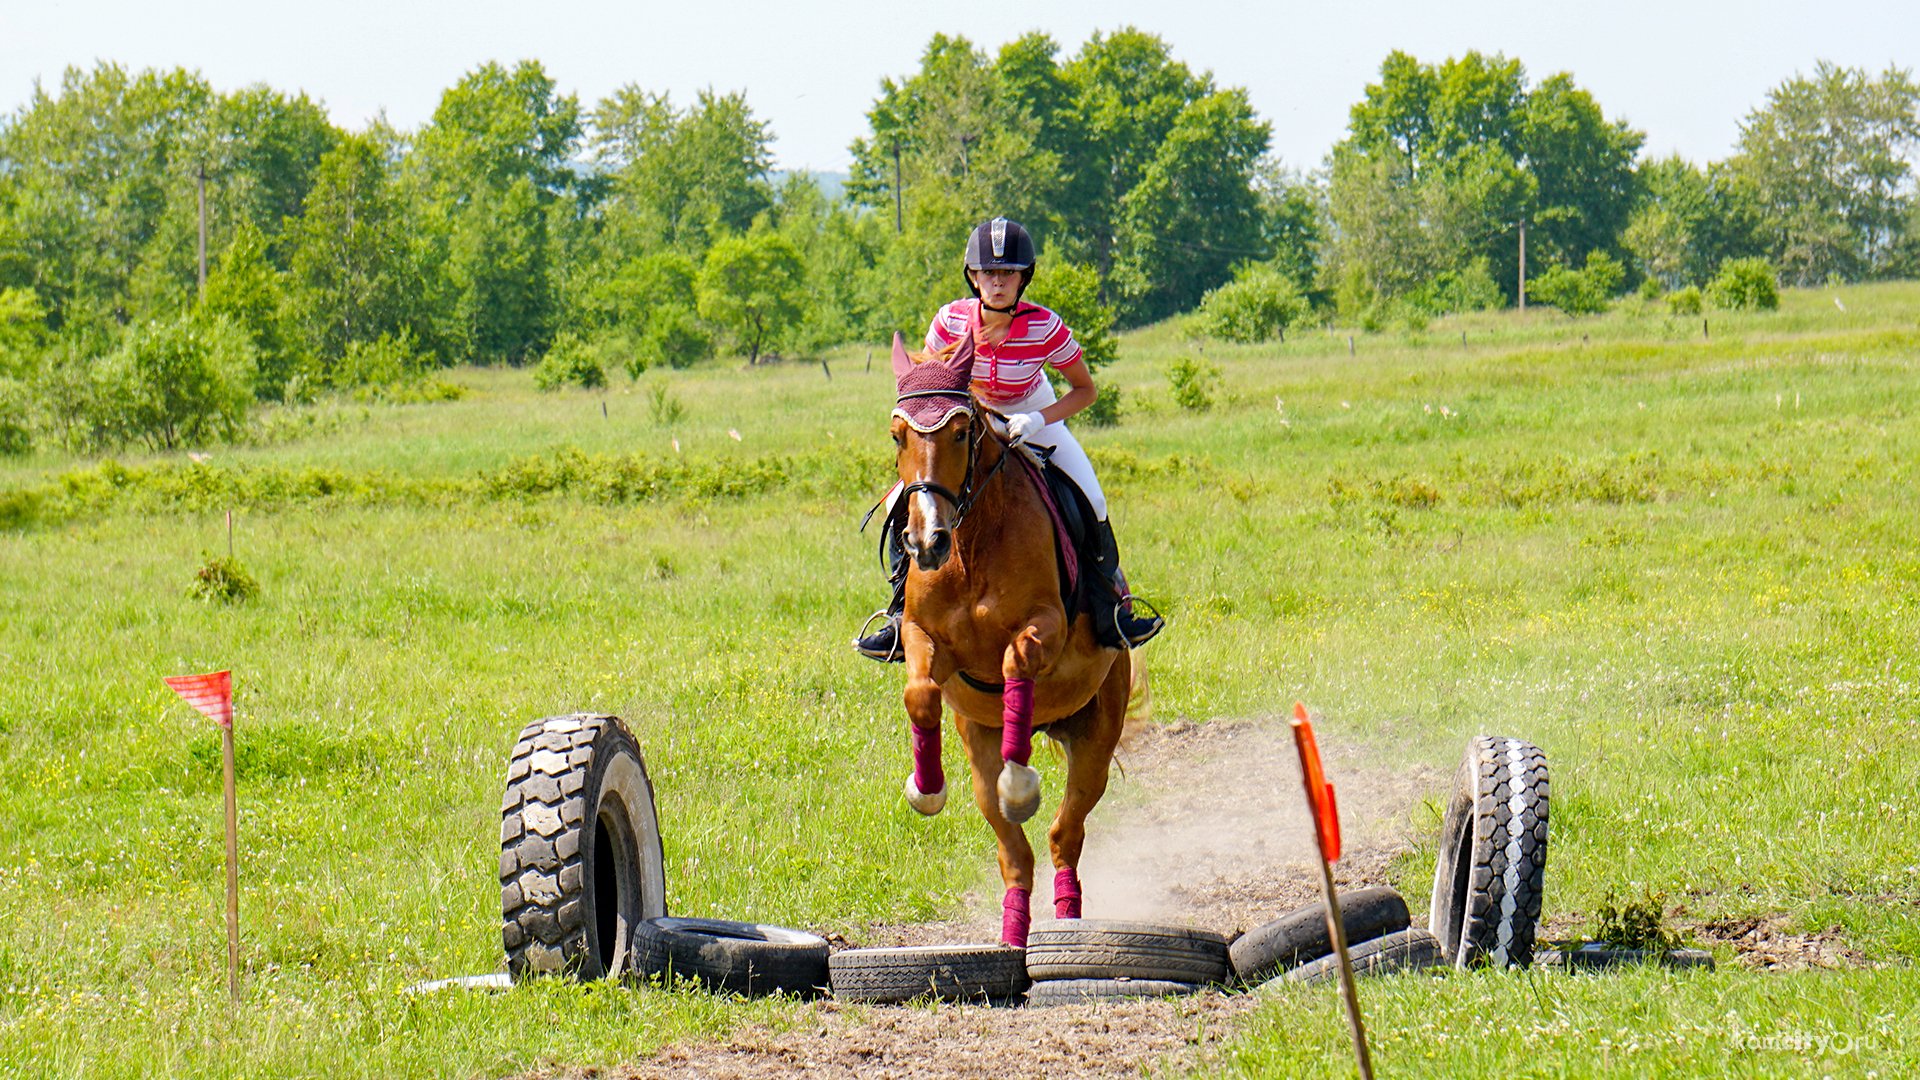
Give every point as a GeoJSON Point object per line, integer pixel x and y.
{"type": "Point", "coordinates": [1033, 651]}
{"type": "Point", "coordinates": [1016, 855]}
{"type": "Point", "coordinates": [927, 783]}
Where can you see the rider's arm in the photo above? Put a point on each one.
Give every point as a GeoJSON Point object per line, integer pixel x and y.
{"type": "Point", "coordinates": [1080, 392]}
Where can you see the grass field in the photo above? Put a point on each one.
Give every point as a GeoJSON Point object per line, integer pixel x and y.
{"type": "Point", "coordinates": [1682, 564]}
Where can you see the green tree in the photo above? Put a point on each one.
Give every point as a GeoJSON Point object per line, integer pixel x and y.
{"type": "Point", "coordinates": [245, 288]}
{"type": "Point", "coordinates": [1829, 158]}
{"type": "Point", "coordinates": [1442, 161]}
{"type": "Point", "coordinates": [682, 177]}
{"type": "Point", "coordinates": [351, 278]}
{"type": "Point", "coordinates": [489, 182]}
{"type": "Point", "coordinates": [754, 286]}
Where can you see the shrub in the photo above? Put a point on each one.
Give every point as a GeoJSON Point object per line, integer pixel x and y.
{"type": "Point", "coordinates": [1745, 283]}
{"type": "Point", "coordinates": [1650, 289]}
{"type": "Point", "coordinates": [570, 362]}
{"type": "Point", "coordinates": [1072, 290]}
{"type": "Point", "coordinates": [1258, 304]}
{"type": "Point", "coordinates": [187, 381]}
{"type": "Point", "coordinates": [16, 415]}
{"type": "Point", "coordinates": [1685, 301]}
{"type": "Point", "coordinates": [1192, 383]}
{"type": "Point", "coordinates": [1578, 292]}
{"type": "Point", "coordinates": [1471, 289]}
{"type": "Point", "coordinates": [224, 580]}
{"type": "Point", "coordinates": [663, 406]}
{"type": "Point", "coordinates": [382, 362]}
{"type": "Point", "coordinates": [675, 337]}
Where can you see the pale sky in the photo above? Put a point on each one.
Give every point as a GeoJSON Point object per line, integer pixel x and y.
{"type": "Point", "coordinates": [1684, 72]}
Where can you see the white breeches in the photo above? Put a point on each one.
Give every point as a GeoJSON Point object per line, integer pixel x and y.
{"type": "Point", "coordinates": [1066, 449]}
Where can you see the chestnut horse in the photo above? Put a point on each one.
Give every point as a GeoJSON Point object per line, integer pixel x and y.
{"type": "Point", "coordinates": [986, 633]}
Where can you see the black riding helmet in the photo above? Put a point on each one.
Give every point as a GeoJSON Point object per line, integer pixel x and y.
{"type": "Point", "coordinates": [999, 245]}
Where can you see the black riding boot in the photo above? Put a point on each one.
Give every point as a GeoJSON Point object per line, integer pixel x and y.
{"type": "Point", "coordinates": [1137, 630]}
{"type": "Point", "coordinates": [884, 644]}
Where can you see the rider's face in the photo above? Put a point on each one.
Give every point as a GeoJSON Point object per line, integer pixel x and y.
{"type": "Point", "coordinates": [999, 288]}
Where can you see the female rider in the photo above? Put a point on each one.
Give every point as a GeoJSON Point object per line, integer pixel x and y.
{"type": "Point", "coordinates": [1013, 340]}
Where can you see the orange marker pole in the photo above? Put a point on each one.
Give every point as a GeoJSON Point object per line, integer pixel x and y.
{"type": "Point", "coordinates": [1326, 836]}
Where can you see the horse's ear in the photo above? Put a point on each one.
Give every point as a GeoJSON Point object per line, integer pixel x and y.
{"type": "Point", "coordinates": [963, 356]}
{"type": "Point", "coordinates": [902, 363]}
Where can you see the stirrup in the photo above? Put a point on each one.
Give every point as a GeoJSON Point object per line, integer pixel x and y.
{"type": "Point", "coordinates": [873, 646]}
{"type": "Point", "coordinates": [1144, 627]}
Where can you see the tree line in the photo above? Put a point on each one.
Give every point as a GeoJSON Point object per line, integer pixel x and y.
{"type": "Point", "coordinates": [518, 226]}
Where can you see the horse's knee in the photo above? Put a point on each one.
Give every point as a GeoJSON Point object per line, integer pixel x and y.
{"type": "Point", "coordinates": [1032, 650]}
{"type": "Point", "coordinates": [922, 700]}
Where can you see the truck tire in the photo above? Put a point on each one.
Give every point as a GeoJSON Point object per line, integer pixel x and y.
{"type": "Point", "coordinates": [1076, 991]}
{"type": "Point", "coordinates": [1117, 949]}
{"type": "Point", "coordinates": [1301, 935]}
{"type": "Point", "coordinates": [1492, 864]}
{"type": "Point", "coordinates": [946, 972]}
{"type": "Point", "coordinates": [580, 858]}
{"type": "Point", "coordinates": [1412, 949]}
{"type": "Point", "coordinates": [737, 957]}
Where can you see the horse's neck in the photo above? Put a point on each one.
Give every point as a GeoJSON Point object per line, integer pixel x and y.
{"type": "Point", "coordinates": [999, 504]}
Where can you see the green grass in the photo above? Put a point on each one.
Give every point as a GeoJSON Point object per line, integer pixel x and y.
{"type": "Point", "coordinates": [1684, 568]}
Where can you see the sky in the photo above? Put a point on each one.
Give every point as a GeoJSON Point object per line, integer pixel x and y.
{"type": "Point", "coordinates": [1686, 73]}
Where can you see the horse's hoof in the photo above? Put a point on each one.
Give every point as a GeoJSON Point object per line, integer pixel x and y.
{"type": "Point", "coordinates": [928, 805]}
{"type": "Point", "coordinates": [1019, 791]}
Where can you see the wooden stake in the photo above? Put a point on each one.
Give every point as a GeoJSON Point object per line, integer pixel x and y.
{"type": "Point", "coordinates": [233, 866]}
{"type": "Point", "coordinates": [1319, 802]}
{"type": "Point", "coordinates": [201, 176]}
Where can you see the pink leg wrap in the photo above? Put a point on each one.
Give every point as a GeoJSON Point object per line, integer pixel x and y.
{"type": "Point", "coordinates": [1014, 917]}
{"type": "Point", "coordinates": [1066, 893]}
{"type": "Point", "coordinates": [927, 774]}
{"type": "Point", "coordinates": [1016, 721]}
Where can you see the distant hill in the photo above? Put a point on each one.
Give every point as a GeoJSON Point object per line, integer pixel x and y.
{"type": "Point", "coordinates": [832, 184]}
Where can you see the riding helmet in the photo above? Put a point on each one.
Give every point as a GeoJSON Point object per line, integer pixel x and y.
{"type": "Point", "coordinates": [999, 245]}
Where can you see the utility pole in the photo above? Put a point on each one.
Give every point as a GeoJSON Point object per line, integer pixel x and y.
{"type": "Point", "coordinates": [201, 176]}
{"type": "Point", "coordinates": [896, 187]}
{"type": "Point", "coordinates": [1523, 264]}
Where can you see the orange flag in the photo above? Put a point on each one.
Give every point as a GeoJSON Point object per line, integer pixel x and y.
{"type": "Point", "coordinates": [1326, 816]}
{"type": "Point", "coordinates": [211, 693]}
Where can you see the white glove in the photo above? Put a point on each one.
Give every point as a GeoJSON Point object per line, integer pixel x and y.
{"type": "Point", "coordinates": [1021, 425]}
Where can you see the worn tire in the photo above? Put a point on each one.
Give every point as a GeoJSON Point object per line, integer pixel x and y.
{"type": "Point", "coordinates": [1599, 958]}
{"type": "Point", "coordinates": [580, 858]}
{"type": "Point", "coordinates": [1077, 991]}
{"type": "Point", "coordinates": [1117, 949]}
{"type": "Point", "coordinates": [739, 957]}
{"type": "Point", "coordinates": [1492, 864]}
{"type": "Point", "coordinates": [1412, 949]}
{"type": "Point", "coordinates": [947, 972]}
{"type": "Point", "coordinates": [1301, 934]}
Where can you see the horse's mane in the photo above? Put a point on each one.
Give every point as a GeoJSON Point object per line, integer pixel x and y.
{"type": "Point", "coordinates": [944, 352]}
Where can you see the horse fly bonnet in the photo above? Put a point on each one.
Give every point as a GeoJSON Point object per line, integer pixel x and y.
{"type": "Point", "coordinates": [934, 390]}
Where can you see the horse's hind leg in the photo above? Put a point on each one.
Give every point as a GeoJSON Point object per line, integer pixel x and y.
{"type": "Point", "coordinates": [1016, 855]}
{"type": "Point", "coordinates": [1089, 738]}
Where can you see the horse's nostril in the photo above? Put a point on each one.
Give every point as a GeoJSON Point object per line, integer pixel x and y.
{"type": "Point", "coordinates": [942, 540]}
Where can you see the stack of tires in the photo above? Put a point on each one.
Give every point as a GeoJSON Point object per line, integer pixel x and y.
{"type": "Point", "coordinates": [583, 893]}
{"type": "Point", "coordinates": [1077, 960]}
{"type": "Point", "coordinates": [1297, 947]}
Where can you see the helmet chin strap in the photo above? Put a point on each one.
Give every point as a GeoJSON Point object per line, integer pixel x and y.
{"type": "Point", "coordinates": [1002, 310]}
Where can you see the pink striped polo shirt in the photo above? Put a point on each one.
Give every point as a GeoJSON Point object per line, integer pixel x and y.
{"type": "Point", "coordinates": [1011, 370]}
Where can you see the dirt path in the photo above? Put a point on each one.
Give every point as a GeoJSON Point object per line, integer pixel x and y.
{"type": "Point", "coordinates": [1205, 828]}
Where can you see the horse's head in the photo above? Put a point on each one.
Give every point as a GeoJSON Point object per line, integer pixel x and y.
{"type": "Point", "coordinates": [933, 436]}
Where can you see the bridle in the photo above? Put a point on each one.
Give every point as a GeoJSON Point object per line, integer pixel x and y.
{"type": "Point", "coordinates": [971, 487]}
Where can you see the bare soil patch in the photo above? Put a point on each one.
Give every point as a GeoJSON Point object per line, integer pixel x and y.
{"type": "Point", "coordinates": [1205, 825]}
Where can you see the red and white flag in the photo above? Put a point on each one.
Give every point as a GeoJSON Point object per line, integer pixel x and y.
{"type": "Point", "coordinates": [212, 694]}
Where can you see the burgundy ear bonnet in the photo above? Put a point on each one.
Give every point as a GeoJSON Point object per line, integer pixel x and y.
{"type": "Point", "coordinates": [931, 392]}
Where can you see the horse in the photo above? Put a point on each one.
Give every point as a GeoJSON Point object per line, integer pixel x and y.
{"type": "Point", "coordinates": [986, 634]}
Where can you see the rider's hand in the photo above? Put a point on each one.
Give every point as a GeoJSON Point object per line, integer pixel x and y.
{"type": "Point", "coordinates": [1021, 425]}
